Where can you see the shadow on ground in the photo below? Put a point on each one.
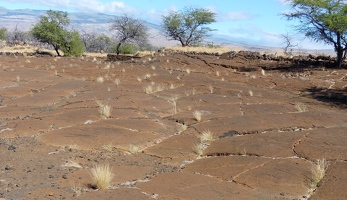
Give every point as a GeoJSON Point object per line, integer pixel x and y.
{"type": "Point", "coordinates": [333, 97]}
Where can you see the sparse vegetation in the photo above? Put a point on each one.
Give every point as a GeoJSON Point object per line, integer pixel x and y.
{"type": "Point", "coordinates": [105, 111]}
{"type": "Point", "coordinates": [197, 115]}
{"type": "Point", "coordinates": [206, 135]}
{"type": "Point", "coordinates": [318, 171]}
{"type": "Point", "coordinates": [102, 176]}
{"type": "Point", "coordinates": [300, 107]}
{"type": "Point", "coordinates": [198, 149]}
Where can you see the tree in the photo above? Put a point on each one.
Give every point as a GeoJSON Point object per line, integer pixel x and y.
{"type": "Point", "coordinates": [3, 33]}
{"type": "Point", "coordinates": [73, 45]}
{"type": "Point", "coordinates": [51, 29]}
{"type": "Point", "coordinates": [188, 26]}
{"type": "Point", "coordinates": [322, 20]}
{"type": "Point", "coordinates": [288, 43]}
{"type": "Point", "coordinates": [129, 30]}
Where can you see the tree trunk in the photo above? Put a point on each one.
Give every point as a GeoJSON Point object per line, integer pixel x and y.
{"type": "Point", "coordinates": [339, 58]}
{"type": "Point", "coordinates": [57, 50]}
{"type": "Point", "coordinates": [117, 48]}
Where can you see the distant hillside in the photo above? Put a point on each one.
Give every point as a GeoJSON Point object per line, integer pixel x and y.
{"type": "Point", "coordinates": [100, 23]}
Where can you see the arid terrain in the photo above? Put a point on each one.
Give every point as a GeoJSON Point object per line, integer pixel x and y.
{"type": "Point", "coordinates": [182, 126]}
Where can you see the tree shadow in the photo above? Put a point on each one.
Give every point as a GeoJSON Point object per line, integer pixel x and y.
{"type": "Point", "coordinates": [333, 97]}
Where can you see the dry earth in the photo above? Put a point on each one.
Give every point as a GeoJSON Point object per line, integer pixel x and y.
{"type": "Point", "coordinates": [270, 127]}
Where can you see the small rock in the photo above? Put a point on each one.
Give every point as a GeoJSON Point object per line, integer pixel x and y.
{"type": "Point", "coordinates": [7, 167]}
{"type": "Point", "coordinates": [282, 193]}
{"type": "Point", "coordinates": [64, 176]}
{"type": "Point", "coordinates": [50, 176]}
{"type": "Point", "coordinates": [51, 194]}
{"type": "Point", "coordinates": [12, 147]}
{"type": "Point", "coordinates": [50, 167]}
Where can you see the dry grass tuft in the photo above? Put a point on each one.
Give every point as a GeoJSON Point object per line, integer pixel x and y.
{"type": "Point", "coordinates": [300, 107]}
{"type": "Point", "coordinates": [100, 79]}
{"type": "Point", "coordinates": [318, 171]}
{"type": "Point", "coordinates": [198, 149]}
{"type": "Point", "coordinates": [199, 50]}
{"type": "Point", "coordinates": [102, 176]}
{"type": "Point", "coordinates": [133, 149]}
{"type": "Point", "coordinates": [197, 115]}
{"type": "Point", "coordinates": [206, 135]}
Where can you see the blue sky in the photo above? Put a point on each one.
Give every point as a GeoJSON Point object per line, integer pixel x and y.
{"type": "Point", "coordinates": [251, 21]}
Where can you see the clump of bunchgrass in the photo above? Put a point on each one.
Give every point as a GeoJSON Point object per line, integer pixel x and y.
{"type": "Point", "coordinates": [197, 115]}
{"type": "Point", "coordinates": [198, 149]}
{"type": "Point", "coordinates": [102, 176]}
{"type": "Point", "coordinates": [133, 149]}
{"type": "Point", "coordinates": [206, 135]}
{"type": "Point", "coordinates": [100, 79]}
{"type": "Point", "coordinates": [300, 107]}
{"type": "Point", "coordinates": [318, 170]}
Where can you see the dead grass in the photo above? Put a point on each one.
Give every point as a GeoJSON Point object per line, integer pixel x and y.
{"type": "Point", "coordinates": [219, 51]}
{"type": "Point", "coordinates": [102, 176]}
{"type": "Point", "coordinates": [300, 107]}
{"type": "Point", "coordinates": [206, 135]}
{"type": "Point", "coordinates": [198, 149]}
{"type": "Point", "coordinates": [197, 115]}
{"type": "Point", "coordinates": [318, 170]}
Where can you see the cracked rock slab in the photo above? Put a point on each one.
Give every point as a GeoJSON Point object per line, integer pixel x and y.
{"type": "Point", "coordinates": [183, 185]}
{"type": "Point", "coordinates": [271, 144]}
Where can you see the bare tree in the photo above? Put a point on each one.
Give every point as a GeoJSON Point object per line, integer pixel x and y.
{"type": "Point", "coordinates": [129, 30]}
{"type": "Point", "coordinates": [288, 43]}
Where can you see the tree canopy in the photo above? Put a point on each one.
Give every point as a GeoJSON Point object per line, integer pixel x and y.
{"type": "Point", "coordinates": [51, 29]}
{"type": "Point", "coordinates": [129, 30]}
{"type": "Point", "coordinates": [188, 26]}
{"type": "Point", "coordinates": [322, 20]}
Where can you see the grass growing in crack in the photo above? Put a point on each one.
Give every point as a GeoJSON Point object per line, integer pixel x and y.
{"type": "Point", "coordinates": [197, 115]}
{"type": "Point", "coordinates": [107, 147]}
{"type": "Point", "coordinates": [318, 171]}
{"type": "Point", "coordinates": [133, 149]}
{"type": "Point", "coordinates": [102, 176]}
{"type": "Point", "coordinates": [105, 111]}
{"type": "Point", "coordinates": [206, 135]}
{"type": "Point", "coordinates": [300, 107]}
{"type": "Point", "coordinates": [198, 149]}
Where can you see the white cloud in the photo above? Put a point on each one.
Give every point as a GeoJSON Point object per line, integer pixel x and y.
{"type": "Point", "coordinates": [81, 5]}
{"type": "Point", "coordinates": [240, 15]}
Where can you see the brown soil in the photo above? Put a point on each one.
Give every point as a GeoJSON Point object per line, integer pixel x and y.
{"type": "Point", "coordinates": [269, 128]}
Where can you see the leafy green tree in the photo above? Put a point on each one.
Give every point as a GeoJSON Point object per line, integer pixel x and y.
{"type": "Point", "coordinates": [3, 33]}
{"type": "Point", "coordinates": [74, 45]}
{"type": "Point", "coordinates": [130, 30]}
{"type": "Point", "coordinates": [322, 20]}
{"type": "Point", "coordinates": [188, 26]}
{"type": "Point", "coordinates": [51, 29]}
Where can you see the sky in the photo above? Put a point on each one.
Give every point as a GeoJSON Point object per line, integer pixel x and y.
{"type": "Point", "coordinates": [250, 21]}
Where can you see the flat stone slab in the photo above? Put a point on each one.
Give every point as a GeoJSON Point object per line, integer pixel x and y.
{"type": "Point", "coordinates": [328, 143]}
{"type": "Point", "coordinates": [183, 185]}
{"type": "Point", "coordinates": [334, 183]}
{"type": "Point", "coordinates": [107, 132]}
{"type": "Point", "coordinates": [271, 144]}
{"type": "Point", "coordinates": [119, 193]}
{"type": "Point", "coordinates": [175, 149]}
{"type": "Point", "coordinates": [265, 175]}
{"type": "Point", "coordinates": [264, 122]}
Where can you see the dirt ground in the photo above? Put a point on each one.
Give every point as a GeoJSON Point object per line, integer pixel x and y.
{"type": "Point", "coordinates": [269, 128]}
